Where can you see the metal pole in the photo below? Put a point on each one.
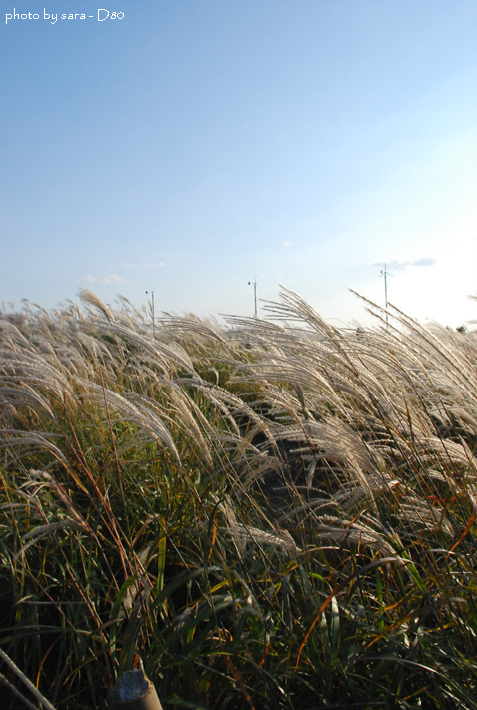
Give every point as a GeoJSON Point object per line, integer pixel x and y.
{"type": "Point", "coordinates": [385, 274]}
{"type": "Point", "coordinates": [153, 315]}
{"type": "Point", "coordinates": [254, 294]}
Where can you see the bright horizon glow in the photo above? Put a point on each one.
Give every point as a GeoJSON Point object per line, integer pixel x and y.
{"type": "Point", "coordinates": [195, 145]}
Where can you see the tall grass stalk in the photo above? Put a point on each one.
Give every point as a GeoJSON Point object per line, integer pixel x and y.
{"type": "Point", "coordinates": [272, 513]}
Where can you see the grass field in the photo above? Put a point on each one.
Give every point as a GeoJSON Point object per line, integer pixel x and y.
{"type": "Point", "coordinates": [272, 514]}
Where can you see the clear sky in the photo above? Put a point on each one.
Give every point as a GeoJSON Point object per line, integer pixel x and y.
{"type": "Point", "coordinates": [193, 145]}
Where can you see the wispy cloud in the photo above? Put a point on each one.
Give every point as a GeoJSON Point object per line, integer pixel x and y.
{"type": "Point", "coordinates": [404, 263]}
{"type": "Point", "coordinates": [144, 265]}
{"type": "Point", "coordinates": [111, 279]}
{"type": "Point", "coordinates": [426, 261]}
{"type": "Point", "coordinates": [287, 244]}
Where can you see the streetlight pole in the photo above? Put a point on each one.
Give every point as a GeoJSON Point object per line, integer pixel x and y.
{"type": "Point", "coordinates": [385, 274]}
{"type": "Point", "coordinates": [254, 294]}
{"type": "Point", "coordinates": [153, 318]}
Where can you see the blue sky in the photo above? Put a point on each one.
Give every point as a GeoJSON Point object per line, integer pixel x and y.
{"type": "Point", "coordinates": [194, 145]}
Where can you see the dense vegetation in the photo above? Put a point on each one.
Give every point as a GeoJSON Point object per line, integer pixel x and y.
{"type": "Point", "coordinates": [275, 514]}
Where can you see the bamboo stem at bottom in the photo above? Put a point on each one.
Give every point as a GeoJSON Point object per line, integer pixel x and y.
{"type": "Point", "coordinates": [133, 691]}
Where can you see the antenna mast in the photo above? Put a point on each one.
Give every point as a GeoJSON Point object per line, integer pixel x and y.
{"type": "Point", "coordinates": [386, 274]}
{"type": "Point", "coordinates": [153, 318]}
{"type": "Point", "coordinates": [254, 294]}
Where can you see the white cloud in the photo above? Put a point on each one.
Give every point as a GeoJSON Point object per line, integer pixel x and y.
{"type": "Point", "coordinates": [111, 279]}
{"type": "Point", "coordinates": [287, 244]}
{"type": "Point", "coordinates": [425, 261]}
{"type": "Point", "coordinates": [144, 265]}
{"type": "Point", "coordinates": [394, 263]}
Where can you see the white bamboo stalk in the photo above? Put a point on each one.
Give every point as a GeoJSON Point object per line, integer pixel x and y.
{"type": "Point", "coordinates": [133, 691]}
{"type": "Point", "coordinates": [32, 688]}
{"type": "Point", "coordinates": [17, 693]}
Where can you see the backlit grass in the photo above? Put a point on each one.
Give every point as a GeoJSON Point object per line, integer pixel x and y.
{"type": "Point", "coordinates": [274, 513]}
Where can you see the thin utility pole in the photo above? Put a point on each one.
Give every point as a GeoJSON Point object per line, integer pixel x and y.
{"type": "Point", "coordinates": [153, 317]}
{"type": "Point", "coordinates": [386, 274]}
{"type": "Point", "coordinates": [254, 294]}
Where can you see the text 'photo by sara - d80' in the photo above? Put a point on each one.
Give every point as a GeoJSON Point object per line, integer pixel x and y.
{"type": "Point", "coordinates": [102, 15]}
